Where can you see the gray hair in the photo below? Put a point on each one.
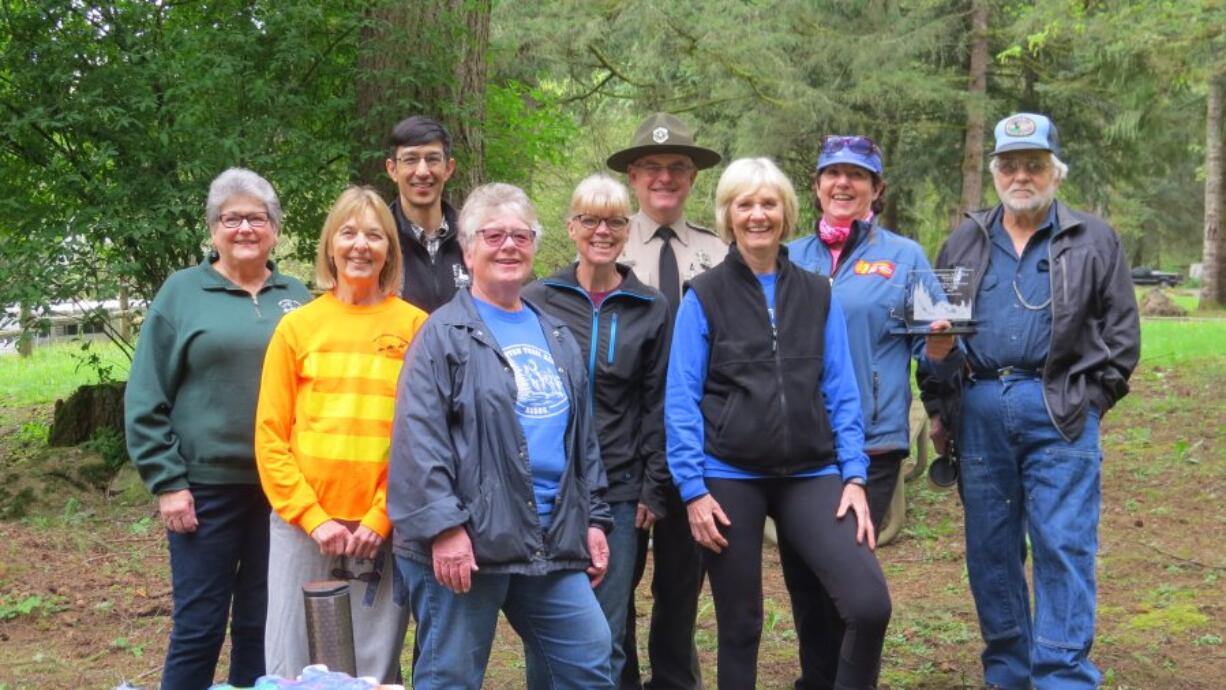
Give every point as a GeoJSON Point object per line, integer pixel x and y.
{"type": "Point", "coordinates": [241, 182]}
{"type": "Point", "coordinates": [495, 197]}
{"type": "Point", "coordinates": [1060, 166]}
{"type": "Point", "coordinates": [600, 193]}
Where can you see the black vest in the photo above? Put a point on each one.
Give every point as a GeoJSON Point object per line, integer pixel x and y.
{"type": "Point", "coordinates": [762, 404]}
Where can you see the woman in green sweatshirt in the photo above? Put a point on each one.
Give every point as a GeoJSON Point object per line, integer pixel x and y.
{"type": "Point", "coordinates": [189, 409]}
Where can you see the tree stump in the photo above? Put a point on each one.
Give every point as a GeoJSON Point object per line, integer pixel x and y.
{"type": "Point", "coordinates": [87, 410]}
{"type": "Point", "coordinates": [1158, 303]}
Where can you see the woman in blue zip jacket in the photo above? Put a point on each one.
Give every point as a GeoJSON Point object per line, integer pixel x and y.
{"type": "Point", "coordinates": [622, 326]}
{"type": "Point", "coordinates": [869, 268]}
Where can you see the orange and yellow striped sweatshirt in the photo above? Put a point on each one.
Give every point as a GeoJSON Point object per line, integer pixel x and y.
{"type": "Point", "coordinates": [324, 420]}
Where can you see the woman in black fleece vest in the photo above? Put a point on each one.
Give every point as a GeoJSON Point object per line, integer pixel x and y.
{"type": "Point", "coordinates": [763, 418]}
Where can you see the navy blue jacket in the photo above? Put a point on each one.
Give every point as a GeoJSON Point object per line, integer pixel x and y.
{"type": "Point", "coordinates": [459, 456]}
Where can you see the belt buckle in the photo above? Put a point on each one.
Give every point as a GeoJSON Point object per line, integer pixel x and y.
{"type": "Point", "coordinates": [1005, 372]}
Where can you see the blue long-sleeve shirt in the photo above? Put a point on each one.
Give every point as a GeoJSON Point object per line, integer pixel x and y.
{"type": "Point", "coordinates": [687, 370]}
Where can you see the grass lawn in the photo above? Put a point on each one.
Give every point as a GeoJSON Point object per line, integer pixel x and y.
{"type": "Point", "coordinates": [55, 371]}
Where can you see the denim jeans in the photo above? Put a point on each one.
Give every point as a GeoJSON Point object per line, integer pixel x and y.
{"type": "Point", "coordinates": [617, 587]}
{"type": "Point", "coordinates": [222, 565]}
{"type": "Point", "coordinates": [1019, 478]}
{"type": "Point", "coordinates": [556, 615]}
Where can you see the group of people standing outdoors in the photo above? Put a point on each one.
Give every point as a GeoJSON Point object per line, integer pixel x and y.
{"type": "Point", "coordinates": [458, 440]}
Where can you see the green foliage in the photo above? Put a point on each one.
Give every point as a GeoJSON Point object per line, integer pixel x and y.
{"type": "Point", "coordinates": [32, 605]}
{"type": "Point", "coordinates": [109, 444]}
{"type": "Point", "coordinates": [118, 116]}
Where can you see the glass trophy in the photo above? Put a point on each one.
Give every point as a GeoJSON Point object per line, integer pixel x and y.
{"type": "Point", "coordinates": [935, 295]}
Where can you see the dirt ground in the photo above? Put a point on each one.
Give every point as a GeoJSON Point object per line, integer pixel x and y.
{"type": "Point", "coordinates": [85, 596]}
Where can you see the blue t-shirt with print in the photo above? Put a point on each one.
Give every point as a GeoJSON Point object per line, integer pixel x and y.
{"type": "Point", "coordinates": [541, 404]}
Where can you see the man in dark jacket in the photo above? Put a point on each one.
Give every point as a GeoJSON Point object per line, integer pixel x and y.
{"type": "Point", "coordinates": [1057, 339]}
{"type": "Point", "coordinates": [419, 162]}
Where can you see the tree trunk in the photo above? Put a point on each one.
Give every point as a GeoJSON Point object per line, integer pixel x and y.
{"type": "Point", "coordinates": [424, 57]}
{"type": "Point", "coordinates": [1213, 284]}
{"type": "Point", "coordinates": [976, 103]}
{"type": "Point", "coordinates": [25, 341]}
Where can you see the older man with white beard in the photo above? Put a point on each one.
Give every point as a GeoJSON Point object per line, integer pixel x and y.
{"type": "Point", "coordinates": [1057, 339]}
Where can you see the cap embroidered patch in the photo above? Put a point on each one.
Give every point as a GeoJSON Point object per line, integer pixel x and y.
{"type": "Point", "coordinates": [1020, 126]}
{"type": "Point", "coordinates": [659, 135]}
{"type": "Point", "coordinates": [884, 269]}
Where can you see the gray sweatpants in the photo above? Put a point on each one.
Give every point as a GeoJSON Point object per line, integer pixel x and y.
{"type": "Point", "coordinates": [378, 629]}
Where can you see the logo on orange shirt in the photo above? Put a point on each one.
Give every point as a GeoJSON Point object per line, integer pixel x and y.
{"type": "Point", "coordinates": [884, 269]}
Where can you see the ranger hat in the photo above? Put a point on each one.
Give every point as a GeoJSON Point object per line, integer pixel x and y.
{"type": "Point", "coordinates": [663, 133]}
{"type": "Point", "coordinates": [1026, 132]}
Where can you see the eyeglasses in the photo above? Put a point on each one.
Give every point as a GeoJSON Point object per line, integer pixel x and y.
{"type": "Point", "coordinates": [1011, 166]}
{"type": "Point", "coordinates": [496, 237]}
{"type": "Point", "coordinates": [590, 222]}
{"type": "Point", "coordinates": [234, 220]}
{"type": "Point", "coordinates": [863, 146]}
{"type": "Point", "coordinates": [434, 160]}
{"type": "Point", "coordinates": [654, 169]}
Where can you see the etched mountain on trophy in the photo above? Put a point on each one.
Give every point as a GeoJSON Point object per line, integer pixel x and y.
{"type": "Point", "coordinates": [945, 294]}
{"type": "Point", "coordinates": [924, 307]}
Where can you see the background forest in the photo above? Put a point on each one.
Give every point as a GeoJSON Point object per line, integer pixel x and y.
{"type": "Point", "coordinates": [117, 115]}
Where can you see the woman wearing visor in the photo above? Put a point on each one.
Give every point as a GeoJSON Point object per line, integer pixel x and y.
{"type": "Point", "coordinates": [870, 268]}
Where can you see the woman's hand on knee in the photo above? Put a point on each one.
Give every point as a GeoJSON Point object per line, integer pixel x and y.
{"type": "Point", "coordinates": [454, 563]}
{"type": "Point", "coordinates": [855, 500]}
{"type": "Point", "coordinates": [706, 516]}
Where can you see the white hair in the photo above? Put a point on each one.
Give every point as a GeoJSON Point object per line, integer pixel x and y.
{"type": "Point", "coordinates": [488, 199]}
{"type": "Point", "coordinates": [241, 182]}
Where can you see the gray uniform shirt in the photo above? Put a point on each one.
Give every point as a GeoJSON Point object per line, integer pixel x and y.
{"type": "Point", "coordinates": [696, 249]}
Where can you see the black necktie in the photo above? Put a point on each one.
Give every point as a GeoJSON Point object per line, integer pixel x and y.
{"type": "Point", "coordinates": [670, 277]}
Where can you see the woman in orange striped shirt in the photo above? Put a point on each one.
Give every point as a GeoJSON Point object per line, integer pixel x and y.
{"type": "Point", "coordinates": [323, 430]}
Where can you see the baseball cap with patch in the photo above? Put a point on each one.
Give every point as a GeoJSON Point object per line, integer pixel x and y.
{"type": "Point", "coordinates": [1026, 132]}
{"type": "Point", "coordinates": [663, 133]}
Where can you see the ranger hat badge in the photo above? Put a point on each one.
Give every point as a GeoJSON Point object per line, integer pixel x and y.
{"type": "Point", "coordinates": [663, 133]}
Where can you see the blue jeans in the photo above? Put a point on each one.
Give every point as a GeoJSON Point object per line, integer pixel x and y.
{"type": "Point", "coordinates": [617, 587]}
{"type": "Point", "coordinates": [1019, 478]}
{"type": "Point", "coordinates": [223, 563]}
{"type": "Point", "coordinates": [556, 616]}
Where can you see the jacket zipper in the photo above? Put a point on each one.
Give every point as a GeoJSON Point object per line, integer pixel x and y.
{"type": "Point", "coordinates": [612, 339]}
{"type": "Point", "coordinates": [783, 397]}
{"type": "Point", "coordinates": [876, 390]}
{"type": "Point", "coordinates": [255, 302]}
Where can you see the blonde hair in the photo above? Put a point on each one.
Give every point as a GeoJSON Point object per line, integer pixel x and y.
{"type": "Point", "coordinates": [749, 175]}
{"type": "Point", "coordinates": [353, 202]}
{"type": "Point", "coordinates": [599, 193]}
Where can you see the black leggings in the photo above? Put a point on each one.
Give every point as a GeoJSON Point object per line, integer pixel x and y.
{"type": "Point", "coordinates": [803, 510]}
{"type": "Point", "coordinates": [819, 627]}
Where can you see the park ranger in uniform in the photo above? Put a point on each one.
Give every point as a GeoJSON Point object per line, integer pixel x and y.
{"type": "Point", "coordinates": [665, 250]}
